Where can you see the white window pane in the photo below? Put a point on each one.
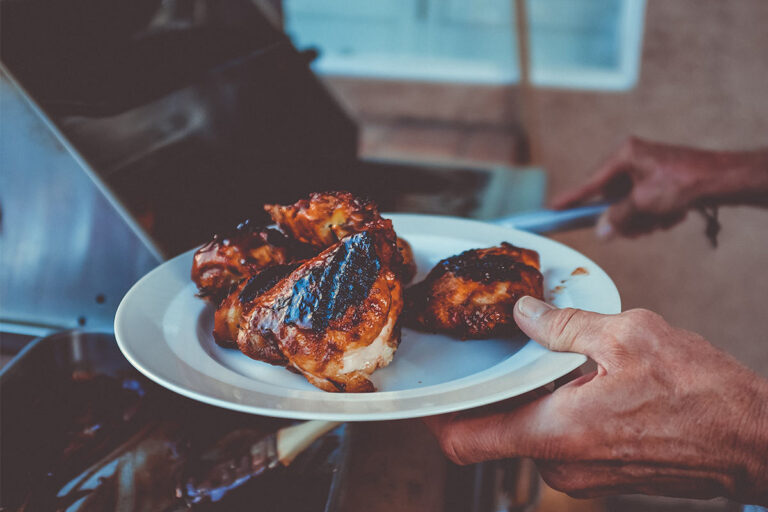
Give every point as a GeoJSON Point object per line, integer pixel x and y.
{"type": "Point", "coordinates": [574, 43]}
{"type": "Point", "coordinates": [591, 44]}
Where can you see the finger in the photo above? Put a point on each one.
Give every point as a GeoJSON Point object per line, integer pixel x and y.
{"type": "Point", "coordinates": [644, 223]}
{"type": "Point", "coordinates": [591, 478]}
{"type": "Point", "coordinates": [672, 219]}
{"type": "Point", "coordinates": [621, 216]}
{"type": "Point", "coordinates": [626, 219]}
{"type": "Point", "coordinates": [527, 431]}
{"type": "Point", "coordinates": [615, 166]}
{"type": "Point", "coordinates": [582, 479]}
{"type": "Point", "coordinates": [561, 330]}
{"type": "Point", "coordinates": [619, 186]}
{"type": "Point", "coordinates": [505, 406]}
{"type": "Point", "coordinates": [436, 423]}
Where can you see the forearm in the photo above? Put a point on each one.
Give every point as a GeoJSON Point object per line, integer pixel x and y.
{"type": "Point", "coordinates": [735, 178]}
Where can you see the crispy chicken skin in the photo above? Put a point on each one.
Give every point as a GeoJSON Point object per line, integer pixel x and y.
{"type": "Point", "coordinates": [228, 316]}
{"type": "Point", "coordinates": [472, 295]}
{"type": "Point", "coordinates": [334, 319]}
{"type": "Point", "coordinates": [324, 218]}
{"type": "Point", "coordinates": [226, 320]}
{"type": "Point", "coordinates": [226, 260]}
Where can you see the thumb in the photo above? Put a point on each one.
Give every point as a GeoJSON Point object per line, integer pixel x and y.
{"type": "Point", "coordinates": [561, 330]}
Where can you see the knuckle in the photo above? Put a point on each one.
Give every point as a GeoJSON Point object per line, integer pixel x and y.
{"type": "Point", "coordinates": [641, 316]}
{"type": "Point", "coordinates": [562, 327]}
{"type": "Point", "coordinates": [638, 329]}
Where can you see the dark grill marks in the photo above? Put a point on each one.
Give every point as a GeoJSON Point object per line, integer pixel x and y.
{"type": "Point", "coordinates": [485, 269]}
{"type": "Point", "coordinates": [327, 291]}
{"type": "Point", "coordinates": [265, 280]}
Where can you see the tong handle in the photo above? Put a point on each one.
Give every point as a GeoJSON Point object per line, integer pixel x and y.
{"type": "Point", "coordinates": [293, 440]}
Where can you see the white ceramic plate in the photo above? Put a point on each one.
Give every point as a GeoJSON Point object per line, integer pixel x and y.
{"type": "Point", "coordinates": [165, 331]}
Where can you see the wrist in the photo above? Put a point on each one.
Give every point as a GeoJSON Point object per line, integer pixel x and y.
{"type": "Point", "coordinates": [734, 178]}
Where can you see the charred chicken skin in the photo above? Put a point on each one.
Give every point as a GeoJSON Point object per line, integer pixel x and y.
{"type": "Point", "coordinates": [225, 261]}
{"type": "Point", "coordinates": [472, 295]}
{"type": "Point", "coordinates": [334, 319]}
{"type": "Point", "coordinates": [228, 316]}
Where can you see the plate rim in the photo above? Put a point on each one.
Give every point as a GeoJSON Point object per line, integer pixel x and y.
{"type": "Point", "coordinates": [569, 360]}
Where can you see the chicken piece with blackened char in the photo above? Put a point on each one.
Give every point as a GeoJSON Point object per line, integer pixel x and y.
{"type": "Point", "coordinates": [335, 318]}
{"type": "Point", "coordinates": [472, 295]}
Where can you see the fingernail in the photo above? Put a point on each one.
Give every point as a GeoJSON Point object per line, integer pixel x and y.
{"type": "Point", "coordinates": [532, 308]}
{"type": "Point", "coordinates": [604, 229]}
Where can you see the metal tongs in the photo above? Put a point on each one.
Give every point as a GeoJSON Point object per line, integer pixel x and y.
{"type": "Point", "coordinates": [275, 450]}
{"type": "Point", "coordinates": [552, 221]}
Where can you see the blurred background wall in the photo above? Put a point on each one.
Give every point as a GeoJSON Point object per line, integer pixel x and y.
{"type": "Point", "coordinates": [702, 82]}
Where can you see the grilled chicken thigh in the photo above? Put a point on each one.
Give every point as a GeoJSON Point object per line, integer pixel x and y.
{"type": "Point", "coordinates": [334, 319]}
{"type": "Point", "coordinates": [473, 294]}
{"type": "Point", "coordinates": [226, 260]}
{"type": "Point", "coordinates": [324, 218]}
